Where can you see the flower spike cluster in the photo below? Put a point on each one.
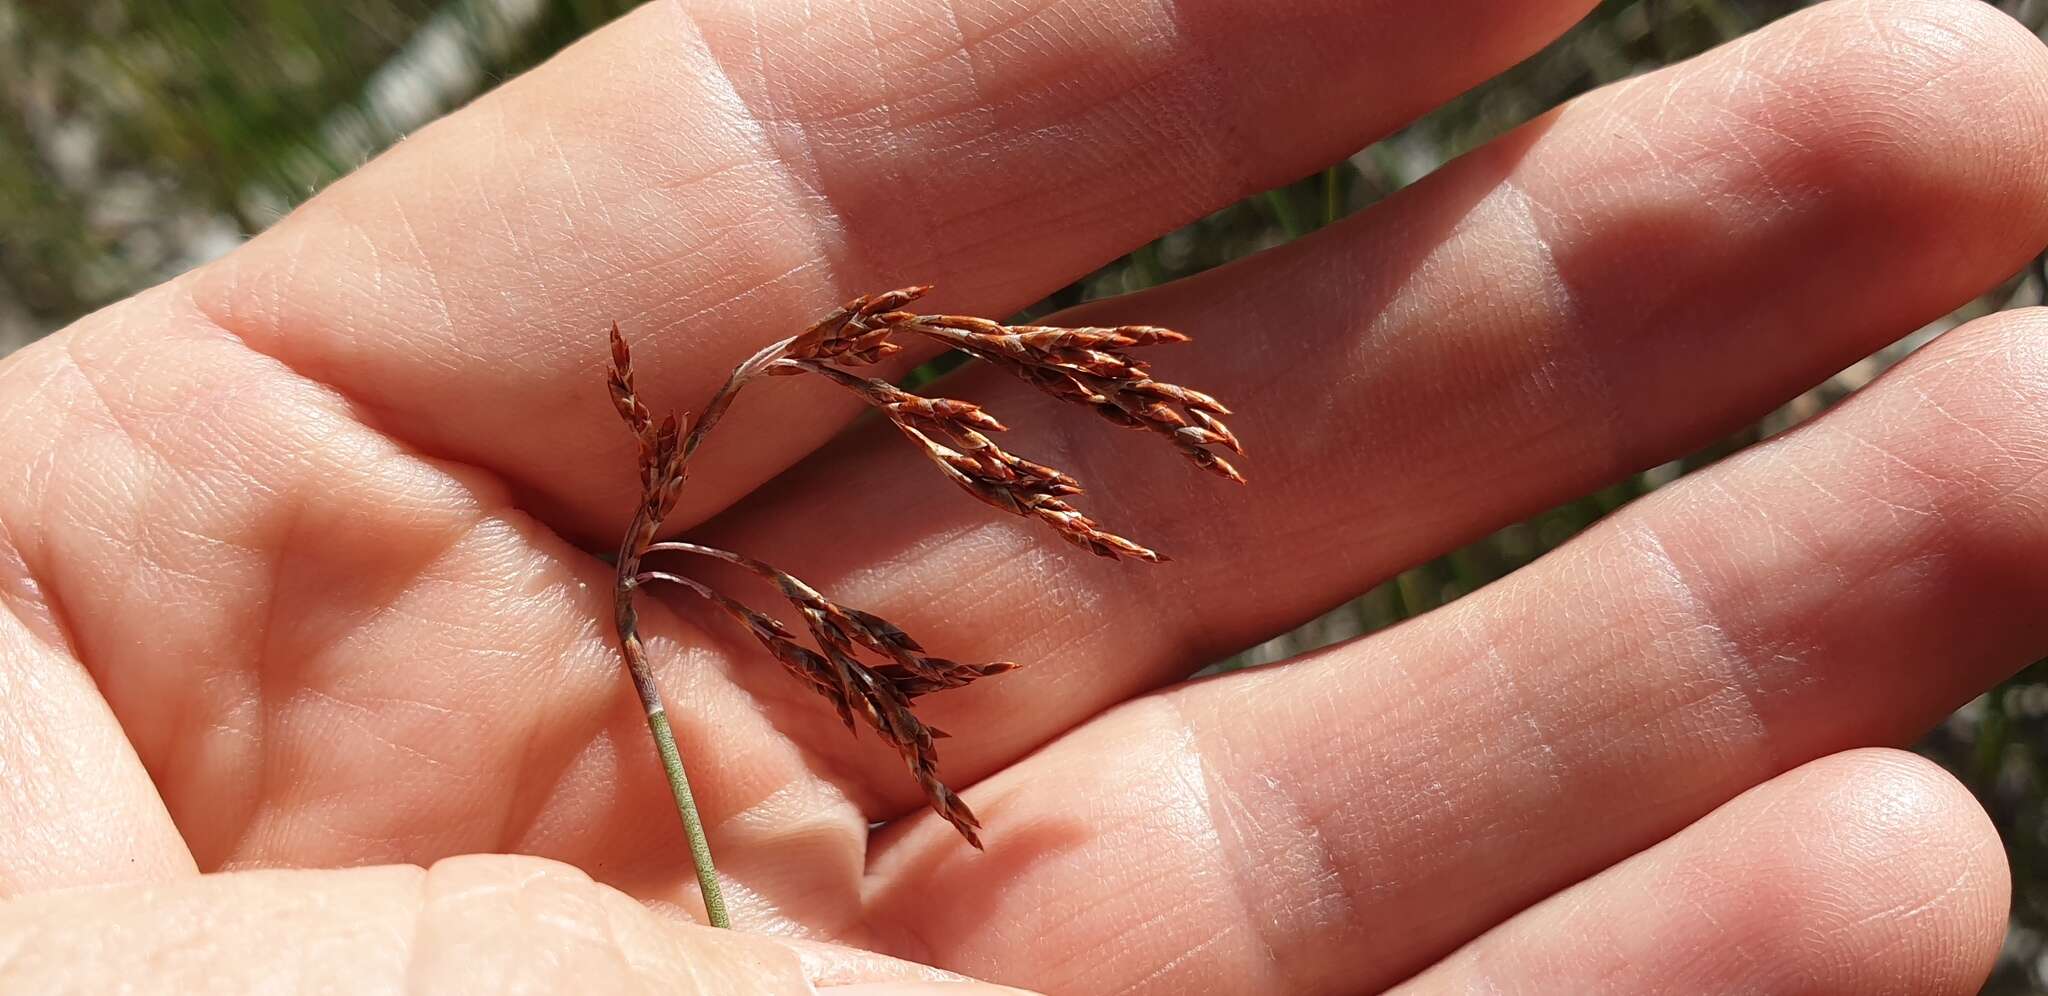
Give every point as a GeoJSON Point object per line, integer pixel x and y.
{"type": "Point", "coordinates": [866, 667]}
{"type": "Point", "coordinates": [1086, 366]}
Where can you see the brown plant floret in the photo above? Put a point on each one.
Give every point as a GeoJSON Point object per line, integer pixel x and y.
{"type": "Point", "coordinates": [865, 666]}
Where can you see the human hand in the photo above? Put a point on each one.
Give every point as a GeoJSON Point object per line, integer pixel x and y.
{"type": "Point", "coordinates": [301, 551]}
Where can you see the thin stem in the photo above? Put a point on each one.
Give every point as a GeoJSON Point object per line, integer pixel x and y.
{"type": "Point", "coordinates": [682, 546]}
{"type": "Point", "coordinates": [1333, 195]}
{"type": "Point", "coordinates": [703, 592]}
{"type": "Point", "coordinates": [752, 566]}
{"type": "Point", "coordinates": [754, 366]}
{"type": "Point", "coordinates": [628, 620]}
{"type": "Point", "coordinates": [693, 826]}
{"type": "Point", "coordinates": [1281, 202]}
{"type": "Point", "coordinates": [646, 522]}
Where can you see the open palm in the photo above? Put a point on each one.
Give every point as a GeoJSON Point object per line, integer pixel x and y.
{"type": "Point", "coordinates": [302, 551]}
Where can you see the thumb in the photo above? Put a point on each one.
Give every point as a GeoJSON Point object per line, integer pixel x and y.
{"type": "Point", "coordinates": [483, 923]}
{"type": "Point", "coordinates": [922, 988]}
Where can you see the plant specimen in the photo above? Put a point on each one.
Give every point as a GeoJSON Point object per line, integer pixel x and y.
{"type": "Point", "coordinates": [867, 668]}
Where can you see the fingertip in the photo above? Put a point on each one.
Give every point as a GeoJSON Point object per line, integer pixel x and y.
{"type": "Point", "coordinates": [1877, 867]}
{"type": "Point", "coordinates": [1940, 106]}
{"type": "Point", "coordinates": [1868, 871]}
{"type": "Point", "coordinates": [1915, 122]}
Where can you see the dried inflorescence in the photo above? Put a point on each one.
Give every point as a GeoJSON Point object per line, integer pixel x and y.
{"type": "Point", "coordinates": [1087, 366]}
{"type": "Point", "coordinates": [880, 694]}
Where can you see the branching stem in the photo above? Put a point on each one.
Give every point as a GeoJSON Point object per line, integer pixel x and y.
{"type": "Point", "coordinates": [640, 536]}
{"type": "Point", "coordinates": [1085, 366]}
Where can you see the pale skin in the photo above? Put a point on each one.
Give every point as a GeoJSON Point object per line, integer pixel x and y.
{"type": "Point", "coordinates": [299, 553]}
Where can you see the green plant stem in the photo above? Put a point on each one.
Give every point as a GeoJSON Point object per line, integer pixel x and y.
{"type": "Point", "coordinates": [1333, 195]}
{"type": "Point", "coordinates": [654, 504]}
{"type": "Point", "coordinates": [693, 826]}
{"type": "Point", "coordinates": [628, 620]}
{"type": "Point", "coordinates": [1282, 206]}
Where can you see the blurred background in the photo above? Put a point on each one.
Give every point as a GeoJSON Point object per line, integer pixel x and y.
{"type": "Point", "coordinates": [139, 137]}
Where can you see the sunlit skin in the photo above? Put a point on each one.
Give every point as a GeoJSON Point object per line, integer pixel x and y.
{"type": "Point", "coordinates": [301, 554]}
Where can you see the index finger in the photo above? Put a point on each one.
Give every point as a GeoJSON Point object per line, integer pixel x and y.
{"type": "Point", "coordinates": [715, 174]}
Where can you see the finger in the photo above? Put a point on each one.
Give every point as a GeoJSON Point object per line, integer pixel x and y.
{"type": "Point", "coordinates": [486, 923]}
{"type": "Point", "coordinates": [1867, 872]}
{"type": "Point", "coordinates": [715, 175]}
{"type": "Point", "coordinates": [1342, 821]}
{"type": "Point", "coordinates": [76, 804]}
{"type": "Point", "coordinates": [1531, 322]}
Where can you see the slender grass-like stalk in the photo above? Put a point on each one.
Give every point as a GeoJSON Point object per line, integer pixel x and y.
{"type": "Point", "coordinates": [1333, 194]}
{"type": "Point", "coordinates": [627, 619]}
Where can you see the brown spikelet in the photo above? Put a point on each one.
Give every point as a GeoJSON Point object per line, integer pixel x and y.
{"type": "Point", "coordinates": [880, 694]}
{"type": "Point", "coordinates": [869, 669]}
{"type": "Point", "coordinates": [621, 382]}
